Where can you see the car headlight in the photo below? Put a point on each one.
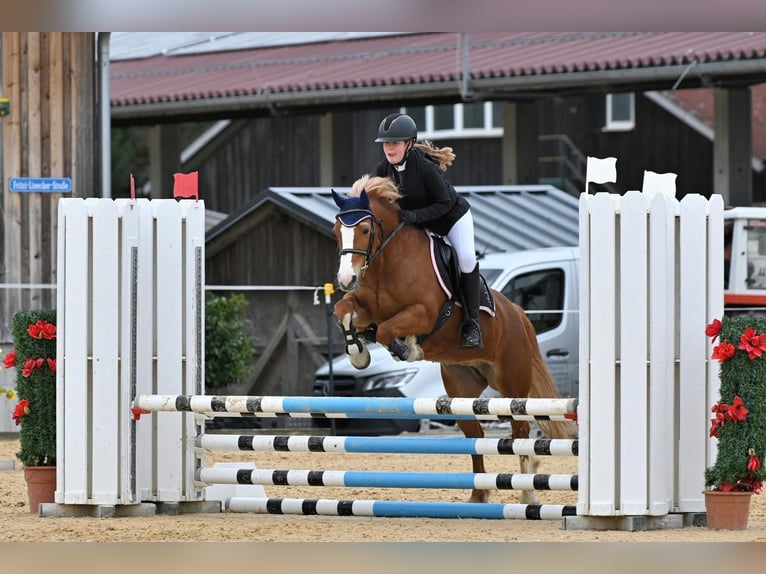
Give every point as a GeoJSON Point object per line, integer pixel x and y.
{"type": "Point", "coordinates": [393, 380]}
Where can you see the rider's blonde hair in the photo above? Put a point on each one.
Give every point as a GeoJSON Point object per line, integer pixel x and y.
{"type": "Point", "coordinates": [442, 156]}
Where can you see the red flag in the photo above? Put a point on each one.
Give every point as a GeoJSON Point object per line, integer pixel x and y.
{"type": "Point", "coordinates": [132, 187]}
{"type": "Point", "coordinates": [185, 185]}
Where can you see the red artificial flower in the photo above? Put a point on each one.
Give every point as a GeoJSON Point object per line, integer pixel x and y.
{"type": "Point", "coordinates": [714, 424]}
{"type": "Point", "coordinates": [10, 360]}
{"type": "Point", "coordinates": [727, 487]}
{"type": "Point", "coordinates": [21, 410]}
{"type": "Point", "coordinates": [42, 330]}
{"type": "Point", "coordinates": [30, 365]}
{"type": "Point", "coordinates": [753, 463]}
{"type": "Point", "coordinates": [723, 352]}
{"type": "Point", "coordinates": [753, 343]}
{"type": "Point", "coordinates": [51, 364]}
{"type": "Point", "coordinates": [737, 411]}
{"type": "Point", "coordinates": [713, 329]}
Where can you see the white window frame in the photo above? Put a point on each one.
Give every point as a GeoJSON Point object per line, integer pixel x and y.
{"type": "Point", "coordinates": [613, 125]}
{"type": "Point", "coordinates": [428, 132]}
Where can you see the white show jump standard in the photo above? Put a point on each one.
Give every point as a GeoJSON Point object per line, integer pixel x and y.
{"type": "Point", "coordinates": [367, 407]}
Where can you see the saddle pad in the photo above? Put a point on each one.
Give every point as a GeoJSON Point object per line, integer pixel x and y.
{"type": "Point", "coordinates": [442, 258]}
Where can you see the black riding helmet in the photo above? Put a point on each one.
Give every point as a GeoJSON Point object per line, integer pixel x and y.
{"type": "Point", "coordinates": [397, 127]}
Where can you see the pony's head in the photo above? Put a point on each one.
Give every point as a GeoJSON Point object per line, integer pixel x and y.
{"type": "Point", "coordinates": [370, 206]}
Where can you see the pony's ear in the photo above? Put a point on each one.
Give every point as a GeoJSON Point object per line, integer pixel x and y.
{"type": "Point", "coordinates": [364, 199]}
{"type": "Point", "coordinates": [339, 201]}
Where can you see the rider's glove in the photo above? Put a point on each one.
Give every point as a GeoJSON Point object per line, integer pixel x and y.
{"type": "Point", "coordinates": [408, 216]}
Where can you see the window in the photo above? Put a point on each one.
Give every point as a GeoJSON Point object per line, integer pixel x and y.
{"type": "Point", "coordinates": [541, 295]}
{"type": "Point", "coordinates": [756, 255]}
{"type": "Point", "coordinates": [620, 112]}
{"type": "Point", "coordinates": [468, 120]}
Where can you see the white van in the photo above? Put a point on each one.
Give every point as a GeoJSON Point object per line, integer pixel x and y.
{"type": "Point", "coordinates": [542, 281]}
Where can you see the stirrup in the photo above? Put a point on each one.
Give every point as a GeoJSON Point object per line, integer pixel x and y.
{"type": "Point", "coordinates": [471, 336]}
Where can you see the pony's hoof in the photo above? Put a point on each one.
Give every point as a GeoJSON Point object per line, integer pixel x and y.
{"type": "Point", "coordinates": [399, 350]}
{"type": "Point", "coordinates": [360, 360]}
{"type": "Point", "coordinates": [416, 354]}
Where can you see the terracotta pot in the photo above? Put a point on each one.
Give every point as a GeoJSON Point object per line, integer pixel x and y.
{"type": "Point", "coordinates": [41, 485]}
{"type": "Point", "coordinates": [727, 510]}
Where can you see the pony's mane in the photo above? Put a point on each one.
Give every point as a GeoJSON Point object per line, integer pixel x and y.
{"type": "Point", "coordinates": [380, 187]}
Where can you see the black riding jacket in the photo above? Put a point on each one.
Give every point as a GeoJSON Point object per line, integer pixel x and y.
{"type": "Point", "coordinates": [426, 192]}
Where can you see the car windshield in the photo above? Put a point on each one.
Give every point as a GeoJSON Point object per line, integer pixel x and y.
{"type": "Point", "coordinates": [490, 274]}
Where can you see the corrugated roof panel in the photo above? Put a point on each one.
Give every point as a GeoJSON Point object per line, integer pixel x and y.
{"type": "Point", "coordinates": [506, 218]}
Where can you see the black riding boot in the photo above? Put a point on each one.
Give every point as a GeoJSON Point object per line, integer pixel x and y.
{"type": "Point", "coordinates": [470, 331]}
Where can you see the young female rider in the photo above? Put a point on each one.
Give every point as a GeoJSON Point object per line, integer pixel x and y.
{"type": "Point", "coordinates": [429, 201]}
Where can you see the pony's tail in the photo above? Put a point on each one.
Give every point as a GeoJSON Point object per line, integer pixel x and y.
{"type": "Point", "coordinates": [543, 387]}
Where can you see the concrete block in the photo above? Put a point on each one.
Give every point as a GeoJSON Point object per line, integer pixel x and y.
{"type": "Point", "coordinates": [624, 523]}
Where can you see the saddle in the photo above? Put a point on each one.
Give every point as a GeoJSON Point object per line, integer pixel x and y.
{"type": "Point", "coordinates": [445, 265]}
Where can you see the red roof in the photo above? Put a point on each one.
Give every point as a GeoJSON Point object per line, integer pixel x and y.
{"type": "Point", "coordinates": [419, 59]}
{"type": "Point", "coordinates": [390, 67]}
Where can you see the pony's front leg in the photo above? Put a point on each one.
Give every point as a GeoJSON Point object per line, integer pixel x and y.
{"type": "Point", "coordinates": [404, 325]}
{"type": "Point", "coordinates": [345, 311]}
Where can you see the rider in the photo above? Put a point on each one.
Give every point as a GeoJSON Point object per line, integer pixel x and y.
{"type": "Point", "coordinates": [429, 201]}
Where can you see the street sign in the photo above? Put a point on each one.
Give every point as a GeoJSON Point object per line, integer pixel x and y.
{"type": "Point", "coordinates": [41, 184]}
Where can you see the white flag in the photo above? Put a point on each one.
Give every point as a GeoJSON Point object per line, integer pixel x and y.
{"type": "Point", "coordinates": [655, 183]}
{"type": "Point", "coordinates": [600, 171]}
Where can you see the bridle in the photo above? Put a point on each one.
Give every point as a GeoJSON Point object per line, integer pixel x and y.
{"type": "Point", "coordinates": [369, 256]}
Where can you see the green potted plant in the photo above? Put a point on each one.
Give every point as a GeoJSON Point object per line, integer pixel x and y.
{"type": "Point", "coordinates": [34, 356]}
{"type": "Point", "coordinates": [739, 419]}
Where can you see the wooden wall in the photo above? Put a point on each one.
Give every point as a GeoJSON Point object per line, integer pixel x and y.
{"type": "Point", "coordinates": [272, 247]}
{"type": "Point", "coordinates": [50, 132]}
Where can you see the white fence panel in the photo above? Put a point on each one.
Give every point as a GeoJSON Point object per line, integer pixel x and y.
{"type": "Point", "coordinates": [103, 342]}
{"type": "Point", "coordinates": [128, 212]}
{"type": "Point", "coordinates": [168, 289]}
{"type": "Point", "coordinates": [72, 400]}
{"type": "Point", "coordinates": [193, 217]}
{"type": "Point", "coordinates": [633, 452]}
{"type": "Point", "coordinates": [662, 353]}
{"type": "Point", "coordinates": [584, 352]}
{"type": "Point", "coordinates": [715, 308]}
{"type": "Point", "coordinates": [602, 337]}
{"type": "Point", "coordinates": [693, 313]}
{"type": "Point", "coordinates": [145, 365]}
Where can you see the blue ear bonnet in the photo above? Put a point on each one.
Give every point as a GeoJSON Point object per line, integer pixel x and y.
{"type": "Point", "coordinates": [352, 209]}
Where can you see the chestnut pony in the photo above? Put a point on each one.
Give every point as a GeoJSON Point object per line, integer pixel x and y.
{"type": "Point", "coordinates": [386, 272]}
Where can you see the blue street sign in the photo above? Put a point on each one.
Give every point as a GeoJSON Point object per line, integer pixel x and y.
{"type": "Point", "coordinates": [41, 184]}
